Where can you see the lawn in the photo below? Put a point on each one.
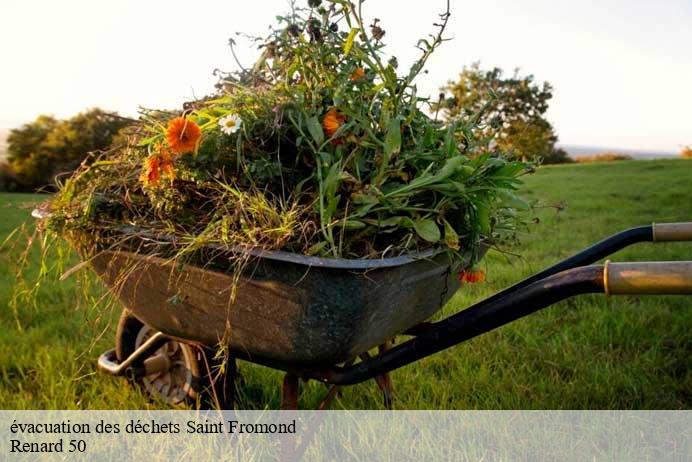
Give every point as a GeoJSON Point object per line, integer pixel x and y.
{"type": "Point", "coordinates": [589, 352]}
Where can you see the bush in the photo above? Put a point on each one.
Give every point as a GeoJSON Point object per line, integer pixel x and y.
{"type": "Point", "coordinates": [40, 150]}
{"type": "Point", "coordinates": [604, 157]}
{"type": "Point", "coordinates": [686, 152]}
{"type": "Point", "coordinates": [557, 156]}
{"type": "Point", "coordinates": [9, 182]}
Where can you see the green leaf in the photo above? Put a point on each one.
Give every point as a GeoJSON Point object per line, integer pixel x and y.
{"type": "Point", "coordinates": [315, 129]}
{"type": "Point", "coordinates": [392, 146]}
{"type": "Point", "coordinates": [390, 76]}
{"type": "Point", "coordinates": [360, 198]}
{"type": "Point", "coordinates": [406, 222]}
{"type": "Point", "coordinates": [483, 216]}
{"type": "Point", "coordinates": [317, 248]}
{"type": "Point", "coordinates": [451, 166]}
{"type": "Point", "coordinates": [149, 140]}
{"type": "Point", "coordinates": [428, 137]}
{"type": "Point", "coordinates": [451, 236]}
{"type": "Point", "coordinates": [385, 223]}
{"type": "Point", "coordinates": [427, 229]}
{"type": "Point", "coordinates": [353, 224]}
{"type": "Point", "coordinates": [378, 87]}
{"type": "Point", "coordinates": [512, 200]}
{"type": "Point", "coordinates": [392, 142]}
{"type": "Point", "coordinates": [350, 40]}
{"type": "Point", "coordinates": [510, 170]}
{"type": "Point", "coordinates": [450, 146]}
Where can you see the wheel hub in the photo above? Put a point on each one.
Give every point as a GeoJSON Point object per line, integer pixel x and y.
{"type": "Point", "coordinates": [169, 374]}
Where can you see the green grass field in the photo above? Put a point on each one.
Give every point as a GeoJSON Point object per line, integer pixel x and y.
{"type": "Point", "coordinates": [589, 352]}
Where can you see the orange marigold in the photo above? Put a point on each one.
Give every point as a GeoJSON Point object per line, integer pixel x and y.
{"type": "Point", "coordinates": [471, 276]}
{"type": "Point", "coordinates": [157, 166]}
{"type": "Point", "coordinates": [182, 135]}
{"type": "Point", "coordinates": [358, 74]}
{"type": "Point", "coordinates": [333, 120]}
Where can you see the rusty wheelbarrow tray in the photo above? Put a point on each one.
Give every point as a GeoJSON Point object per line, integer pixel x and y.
{"type": "Point", "coordinates": [303, 311]}
{"type": "Point", "coordinates": [318, 318]}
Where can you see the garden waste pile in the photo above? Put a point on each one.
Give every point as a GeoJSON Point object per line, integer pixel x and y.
{"type": "Point", "coordinates": [322, 147]}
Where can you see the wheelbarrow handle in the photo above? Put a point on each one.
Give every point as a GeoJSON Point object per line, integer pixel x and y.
{"type": "Point", "coordinates": [650, 278]}
{"type": "Point", "coordinates": [656, 232]}
{"type": "Point", "coordinates": [670, 232]}
{"type": "Point", "coordinates": [613, 278]}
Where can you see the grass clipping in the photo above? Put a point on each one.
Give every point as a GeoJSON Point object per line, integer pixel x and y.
{"type": "Point", "coordinates": [322, 147]}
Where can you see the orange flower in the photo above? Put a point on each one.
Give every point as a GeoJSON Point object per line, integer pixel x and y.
{"type": "Point", "coordinates": [167, 169]}
{"type": "Point", "coordinates": [471, 276]}
{"type": "Point", "coordinates": [358, 74]}
{"type": "Point", "coordinates": [182, 135]}
{"type": "Point", "coordinates": [157, 166]}
{"type": "Point", "coordinates": [333, 120]}
{"type": "Point", "coordinates": [152, 171]}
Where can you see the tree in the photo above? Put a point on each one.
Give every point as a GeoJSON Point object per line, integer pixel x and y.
{"type": "Point", "coordinates": [511, 111]}
{"type": "Point", "coordinates": [26, 154]}
{"type": "Point", "coordinates": [686, 152]}
{"type": "Point", "coordinates": [40, 150]}
{"type": "Point", "coordinates": [558, 156]}
{"type": "Point", "coordinates": [8, 179]}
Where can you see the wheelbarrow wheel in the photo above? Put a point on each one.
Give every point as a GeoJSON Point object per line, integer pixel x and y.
{"type": "Point", "coordinates": [184, 379]}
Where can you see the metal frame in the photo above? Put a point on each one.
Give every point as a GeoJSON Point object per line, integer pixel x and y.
{"type": "Point", "coordinates": [563, 280]}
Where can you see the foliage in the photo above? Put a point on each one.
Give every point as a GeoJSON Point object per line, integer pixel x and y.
{"type": "Point", "coordinates": [686, 152]}
{"type": "Point", "coordinates": [510, 111]}
{"type": "Point", "coordinates": [9, 182]}
{"type": "Point", "coordinates": [25, 149]}
{"type": "Point", "coordinates": [557, 156]}
{"type": "Point", "coordinates": [324, 131]}
{"type": "Point", "coordinates": [46, 147]}
{"type": "Point", "coordinates": [604, 157]}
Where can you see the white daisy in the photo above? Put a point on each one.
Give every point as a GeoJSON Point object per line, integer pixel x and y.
{"type": "Point", "coordinates": [230, 124]}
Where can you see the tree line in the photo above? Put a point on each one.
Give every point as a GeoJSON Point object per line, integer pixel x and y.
{"type": "Point", "coordinates": [511, 110]}
{"type": "Point", "coordinates": [40, 151]}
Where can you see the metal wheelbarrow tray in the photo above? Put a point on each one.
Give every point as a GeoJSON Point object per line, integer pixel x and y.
{"type": "Point", "coordinates": [306, 311]}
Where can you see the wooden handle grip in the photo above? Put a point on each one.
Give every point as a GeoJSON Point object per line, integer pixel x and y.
{"type": "Point", "coordinates": [655, 278]}
{"type": "Point", "coordinates": [668, 232]}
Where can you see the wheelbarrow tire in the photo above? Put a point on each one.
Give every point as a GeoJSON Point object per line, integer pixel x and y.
{"type": "Point", "coordinates": [186, 382]}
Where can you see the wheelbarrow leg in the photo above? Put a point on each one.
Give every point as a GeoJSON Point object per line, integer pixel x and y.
{"type": "Point", "coordinates": [289, 392]}
{"type": "Point", "coordinates": [228, 383]}
{"type": "Point", "coordinates": [333, 391]}
{"type": "Point", "coordinates": [384, 381]}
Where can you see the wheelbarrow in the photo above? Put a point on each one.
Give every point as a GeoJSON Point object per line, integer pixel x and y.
{"type": "Point", "coordinates": [322, 318]}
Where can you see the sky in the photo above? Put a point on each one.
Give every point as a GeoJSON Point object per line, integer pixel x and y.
{"type": "Point", "coordinates": [621, 70]}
